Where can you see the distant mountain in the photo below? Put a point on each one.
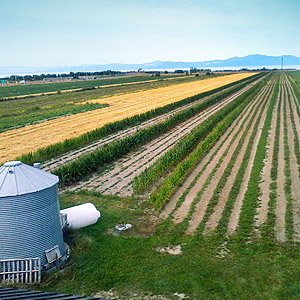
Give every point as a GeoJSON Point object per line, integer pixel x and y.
{"type": "Point", "coordinates": [249, 61]}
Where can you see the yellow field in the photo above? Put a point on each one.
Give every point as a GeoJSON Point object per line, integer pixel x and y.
{"type": "Point", "coordinates": [14, 143]}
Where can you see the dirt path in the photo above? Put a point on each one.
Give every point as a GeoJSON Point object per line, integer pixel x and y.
{"type": "Point", "coordinates": [118, 180]}
{"type": "Point", "coordinates": [211, 161]}
{"type": "Point", "coordinates": [295, 176]}
{"type": "Point", "coordinates": [202, 204]}
{"type": "Point", "coordinates": [235, 214]}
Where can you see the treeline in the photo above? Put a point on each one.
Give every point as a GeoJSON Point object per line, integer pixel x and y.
{"type": "Point", "coordinates": [74, 75]}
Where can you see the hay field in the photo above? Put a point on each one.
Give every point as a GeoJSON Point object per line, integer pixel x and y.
{"type": "Point", "coordinates": [20, 141]}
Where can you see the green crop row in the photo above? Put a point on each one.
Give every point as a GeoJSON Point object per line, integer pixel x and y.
{"type": "Point", "coordinates": [216, 196]}
{"type": "Point", "coordinates": [253, 191]}
{"type": "Point", "coordinates": [91, 162]}
{"type": "Point", "coordinates": [149, 177]}
{"type": "Point", "coordinates": [287, 172]}
{"type": "Point", "coordinates": [60, 148]}
{"type": "Point", "coordinates": [204, 137]}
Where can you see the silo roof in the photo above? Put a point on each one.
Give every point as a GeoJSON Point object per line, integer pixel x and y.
{"type": "Point", "coordinates": [17, 178]}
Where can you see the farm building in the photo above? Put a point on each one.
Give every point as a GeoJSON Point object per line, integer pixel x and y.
{"type": "Point", "coordinates": [31, 235]}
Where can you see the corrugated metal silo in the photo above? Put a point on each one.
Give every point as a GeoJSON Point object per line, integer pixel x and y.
{"type": "Point", "coordinates": [29, 214]}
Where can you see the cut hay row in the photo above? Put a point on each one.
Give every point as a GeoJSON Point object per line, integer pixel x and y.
{"type": "Point", "coordinates": [14, 143]}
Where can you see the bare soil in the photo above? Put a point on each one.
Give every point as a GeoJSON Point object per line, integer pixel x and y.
{"type": "Point", "coordinates": [262, 209]}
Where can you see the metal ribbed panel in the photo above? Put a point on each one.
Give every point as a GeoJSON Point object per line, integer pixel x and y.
{"type": "Point", "coordinates": [10, 293]}
{"type": "Point", "coordinates": [30, 224]}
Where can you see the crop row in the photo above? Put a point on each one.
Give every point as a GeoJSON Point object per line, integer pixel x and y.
{"type": "Point", "coordinates": [91, 162]}
{"type": "Point", "coordinates": [166, 163]}
{"type": "Point", "coordinates": [60, 148]}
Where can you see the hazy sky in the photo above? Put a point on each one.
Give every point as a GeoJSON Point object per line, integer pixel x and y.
{"type": "Point", "coordinates": [75, 32]}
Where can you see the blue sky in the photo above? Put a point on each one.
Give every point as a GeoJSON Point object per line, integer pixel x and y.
{"type": "Point", "coordinates": [76, 32]}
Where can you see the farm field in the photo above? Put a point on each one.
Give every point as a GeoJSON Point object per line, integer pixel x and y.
{"type": "Point", "coordinates": [232, 212]}
{"type": "Point", "coordinates": [119, 179]}
{"type": "Point", "coordinates": [296, 76]}
{"type": "Point", "coordinates": [36, 89]}
{"type": "Point", "coordinates": [120, 107]}
{"type": "Point", "coordinates": [31, 110]}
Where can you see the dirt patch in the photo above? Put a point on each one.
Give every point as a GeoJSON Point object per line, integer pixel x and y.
{"type": "Point", "coordinates": [173, 250]}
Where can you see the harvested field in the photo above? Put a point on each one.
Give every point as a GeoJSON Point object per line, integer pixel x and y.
{"type": "Point", "coordinates": [30, 138]}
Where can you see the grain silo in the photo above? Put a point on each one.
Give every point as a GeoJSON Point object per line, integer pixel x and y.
{"type": "Point", "coordinates": [30, 226]}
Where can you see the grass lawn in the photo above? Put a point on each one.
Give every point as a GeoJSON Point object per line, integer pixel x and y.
{"type": "Point", "coordinates": [208, 268]}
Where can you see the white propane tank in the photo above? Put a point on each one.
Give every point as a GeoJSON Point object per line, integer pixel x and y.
{"type": "Point", "coordinates": [81, 215]}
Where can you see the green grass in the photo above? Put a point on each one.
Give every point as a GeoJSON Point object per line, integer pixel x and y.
{"type": "Point", "coordinates": [296, 77]}
{"type": "Point", "coordinates": [18, 90]}
{"type": "Point", "coordinates": [130, 264]}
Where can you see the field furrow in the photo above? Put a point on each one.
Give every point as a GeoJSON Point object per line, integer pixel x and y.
{"type": "Point", "coordinates": [266, 180]}
{"type": "Point", "coordinates": [236, 210]}
{"type": "Point", "coordinates": [220, 168]}
{"type": "Point", "coordinates": [215, 217]}
{"type": "Point", "coordinates": [293, 129]}
{"type": "Point", "coordinates": [209, 168]}
{"type": "Point", "coordinates": [281, 199]}
{"type": "Point", "coordinates": [198, 170]}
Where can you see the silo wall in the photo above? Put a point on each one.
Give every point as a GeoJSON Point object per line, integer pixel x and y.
{"type": "Point", "coordinates": [30, 224]}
